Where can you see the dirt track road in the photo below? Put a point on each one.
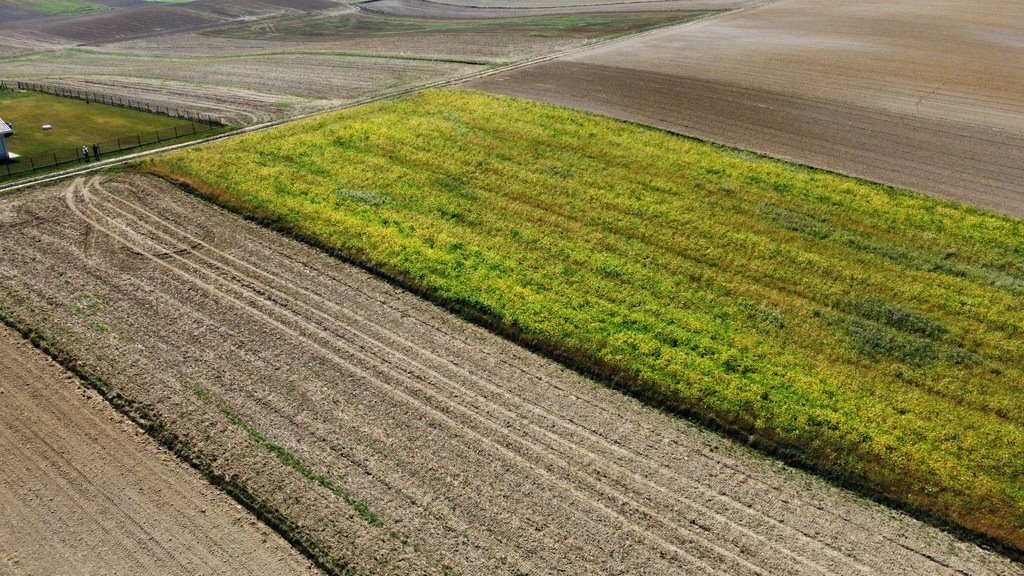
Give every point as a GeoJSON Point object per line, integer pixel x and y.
{"type": "Point", "coordinates": [920, 94]}
{"type": "Point", "coordinates": [426, 442]}
{"type": "Point", "coordinates": [84, 491]}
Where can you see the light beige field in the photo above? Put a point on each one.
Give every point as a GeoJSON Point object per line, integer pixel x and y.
{"type": "Point", "coordinates": [921, 94]}
{"type": "Point", "coordinates": [85, 491]}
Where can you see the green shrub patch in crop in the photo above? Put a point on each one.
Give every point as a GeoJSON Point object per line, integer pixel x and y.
{"type": "Point", "coordinates": [870, 333]}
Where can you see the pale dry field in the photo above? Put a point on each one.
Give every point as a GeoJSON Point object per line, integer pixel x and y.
{"type": "Point", "coordinates": [251, 61]}
{"type": "Point", "coordinates": [921, 94]}
{"type": "Point", "coordinates": [395, 437]}
{"type": "Point", "coordinates": [84, 491]}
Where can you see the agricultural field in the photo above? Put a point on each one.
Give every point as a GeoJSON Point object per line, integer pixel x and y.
{"type": "Point", "coordinates": [918, 94]}
{"type": "Point", "coordinates": [253, 61]}
{"type": "Point", "coordinates": [870, 333]}
{"type": "Point", "coordinates": [68, 507]}
{"type": "Point", "coordinates": [456, 332]}
{"type": "Point", "coordinates": [386, 436]}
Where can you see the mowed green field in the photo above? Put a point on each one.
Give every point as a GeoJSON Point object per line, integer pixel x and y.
{"type": "Point", "coordinates": [57, 6]}
{"type": "Point", "coordinates": [75, 122]}
{"type": "Point", "coordinates": [872, 334]}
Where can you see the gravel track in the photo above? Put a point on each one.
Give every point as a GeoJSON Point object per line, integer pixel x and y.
{"type": "Point", "coordinates": [84, 491]}
{"type": "Point", "coordinates": [918, 94]}
{"type": "Point", "coordinates": [472, 452]}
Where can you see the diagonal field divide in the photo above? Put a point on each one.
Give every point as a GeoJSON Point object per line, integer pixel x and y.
{"type": "Point", "coordinates": [67, 507]}
{"type": "Point", "coordinates": [913, 94]}
{"type": "Point", "coordinates": [482, 456]}
{"type": "Point", "coordinates": [390, 95]}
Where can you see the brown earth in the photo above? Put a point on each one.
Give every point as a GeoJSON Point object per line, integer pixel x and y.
{"type": "Point", "coordinates": [85, 491]}
{"type": "Point", "coordinates": [396, 437]}
{"type": "Point", "coordinates": [247, 62]}
{"type": "Point", "coordinates": [919, 94]}
{"type": "Point", "coordinates": [471, 9]}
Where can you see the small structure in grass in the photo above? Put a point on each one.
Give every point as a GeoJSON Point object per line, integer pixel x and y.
{"type": "Point", "coordinates": [5, 131]}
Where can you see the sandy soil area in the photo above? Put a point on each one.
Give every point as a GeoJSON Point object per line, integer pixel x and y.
{"type": "Point", "coordinates": [85, 491]}
{"type": "Point", "coordinates": [918, 94]}
{"type": "Point", "coordinates": [415, 441]}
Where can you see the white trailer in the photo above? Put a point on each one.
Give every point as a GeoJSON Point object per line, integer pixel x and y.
{"type": "Point", "coordinates": [5, 131]}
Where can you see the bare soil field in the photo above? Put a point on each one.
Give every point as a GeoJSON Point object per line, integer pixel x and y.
{"type": "Point", "coordinates": [396, 438]}
{"type": "Point", "coordinates": [244, 89]}
{"type": "Point", "coordinates": [252, 61]}
{"type": "Point", "coordinates": [471, 9]}
{"type": "Point", "coordinates": [85, 491]}
{"type": "Point", "coordinates": [917, 94]}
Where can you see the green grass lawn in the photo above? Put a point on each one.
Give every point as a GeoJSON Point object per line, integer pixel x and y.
{"type": "Point", "coordinates": [75, 122]}
{"type": "Point", "coordinates": [870, 333]}
{"type": "Point", "coordinates": [58, 6]}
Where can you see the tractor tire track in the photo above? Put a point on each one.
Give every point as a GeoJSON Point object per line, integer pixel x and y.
{"type": "Point", "coordinates": [482, 456]}
{"type": "Point", "coordinates": [618, 462]}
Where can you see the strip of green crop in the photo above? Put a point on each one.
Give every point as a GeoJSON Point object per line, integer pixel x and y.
{"type": "Point", "coordinates": [151, 421]}
{"type": "Point", "coordinates": [362, 509]}
{"type": "Point", "coordinates": [872, 334]}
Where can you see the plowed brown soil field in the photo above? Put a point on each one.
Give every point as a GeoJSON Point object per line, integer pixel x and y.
{"type": "Point", "coordinates": [85, 491]}
{"type": "Point", "coordinates": [399, 439]}
{"type": "Point", "coordinates": [920, 94]}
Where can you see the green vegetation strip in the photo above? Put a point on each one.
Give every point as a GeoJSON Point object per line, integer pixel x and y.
{"type": "Point", "coordinates": [150, 420]}
{"type": "Point", "coordinates": [290, 460]}
{"type": "Point", "coordinates": [870, 333]}
{"type": "Point", "coordinates": [62, 7]}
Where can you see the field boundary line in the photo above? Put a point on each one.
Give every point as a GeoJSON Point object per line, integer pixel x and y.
{"type": "Point", "coordinates": [392, 95]}
{"type": "Point", "coordinates": [251, 304]}
{"type": "Point", "coordinates": [283, 286]}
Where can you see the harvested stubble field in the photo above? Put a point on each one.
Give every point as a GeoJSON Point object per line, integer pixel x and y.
{"type": "Point", "coordinates": [394, 438]}
{"type": "Point", "coordinates": [870, 333]}
{"type": "Point", "coordinates": [920, 94]}
{"type": "Point", "coordinates": [85, 491]}
{"type": "Point", "coordinates": [250, 62]}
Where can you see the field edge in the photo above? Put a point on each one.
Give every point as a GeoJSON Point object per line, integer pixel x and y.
{"type": "Point", "coordinates": [150, 423]}
{"type": "Point", "coordinates": [605, 374]}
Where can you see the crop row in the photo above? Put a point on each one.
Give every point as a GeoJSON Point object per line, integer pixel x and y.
{"type": "Point", "coordinates": [869, 333]}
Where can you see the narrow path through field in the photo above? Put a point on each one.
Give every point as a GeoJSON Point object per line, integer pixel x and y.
{"type": "Point", "coordinates": [415, 442]}
{"type": "Point", "coordinates": [85, 491]}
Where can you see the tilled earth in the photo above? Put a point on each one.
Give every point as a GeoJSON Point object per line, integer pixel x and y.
{"type": "Point", "coordinates": [395, 437]}
{"type": "Point", "coordinates": [919, 94]}
{"type": "Point", "coordinates": [84, 491]}
{"type": "Point", "coordinates": [247, 62]}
